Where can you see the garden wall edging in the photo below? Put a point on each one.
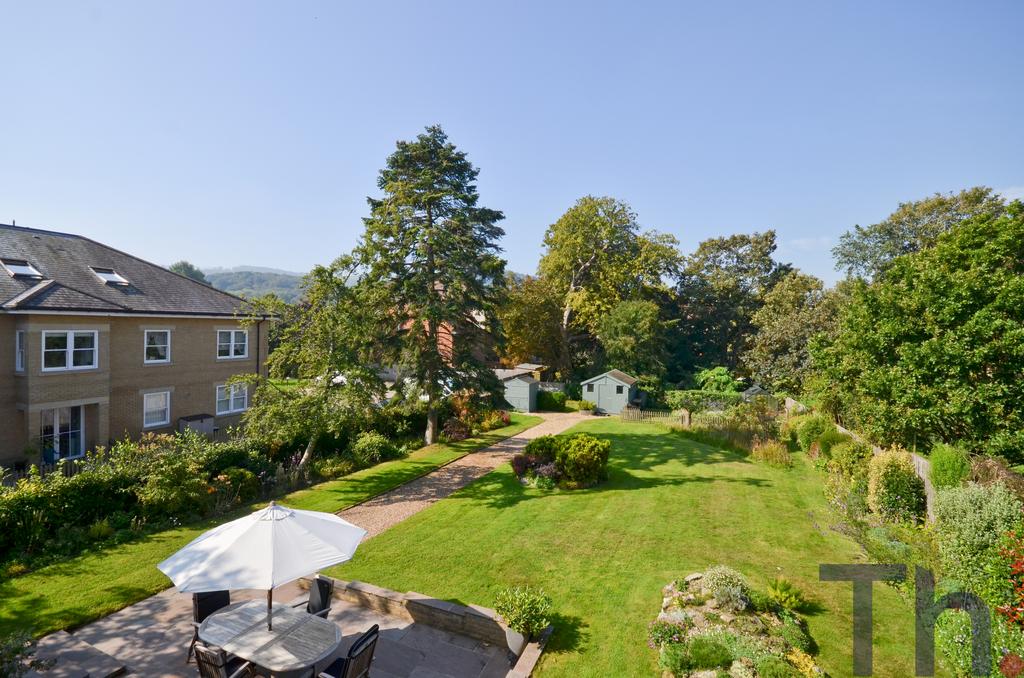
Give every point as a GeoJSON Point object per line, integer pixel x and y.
{"type": "Point", "coordinates": [477, 622]}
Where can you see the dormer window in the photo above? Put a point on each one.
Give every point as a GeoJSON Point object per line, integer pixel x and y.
{"type": "Point", "coordinates": [109, 276]}
{"type": "Point", "coordinates": [19, 268]}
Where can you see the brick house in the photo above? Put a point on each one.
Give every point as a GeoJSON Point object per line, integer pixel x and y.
{"type": "Point", "coordinates": [96, 344]}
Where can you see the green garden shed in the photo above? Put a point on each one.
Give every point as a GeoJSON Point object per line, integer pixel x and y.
{"type": "Point", "coordinates": [611, 392]}
{"type": "Point", "coordinates": [520, 389]}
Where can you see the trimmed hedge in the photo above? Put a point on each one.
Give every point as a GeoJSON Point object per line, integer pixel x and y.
{"type": "Point", "coordinates": [551, 401]}
{"type": "Point", "coordinates": [582, 459]}
{"type": "Point", "coordinates": [895, 492]}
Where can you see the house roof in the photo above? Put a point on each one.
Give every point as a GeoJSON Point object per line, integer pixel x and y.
{"type": "Point", "coordinates": [505, 375]}
{"type": "Point", "coordinates": [531, 366]}
{"type": "Point", "coordinates": [617, 375]}
{"type": "Point", "coordinates": [69, 281]}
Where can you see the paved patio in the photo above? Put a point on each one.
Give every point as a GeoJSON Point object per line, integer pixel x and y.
{"type": "Point", "coordinates": [151, 638]}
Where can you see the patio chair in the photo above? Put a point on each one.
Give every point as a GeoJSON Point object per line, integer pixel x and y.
{"type": "Point", "coordinates": [213, 662]}
{"type": "Point", "coordinates": [203, 605]}
{"type": "Point", "coordinates": [320, 593]}
{"type": "Point", "coordinates": [357, 663]}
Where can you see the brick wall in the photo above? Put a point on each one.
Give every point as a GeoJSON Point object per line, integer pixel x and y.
{"type": "Point", "coordinates": [112, 394]}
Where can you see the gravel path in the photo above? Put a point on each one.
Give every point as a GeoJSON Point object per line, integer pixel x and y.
{"type": "Point", "coordinates": [378, 514]}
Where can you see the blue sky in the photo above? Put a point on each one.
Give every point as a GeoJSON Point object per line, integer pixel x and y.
{"type": "Point", "coordinates": [252, 132]}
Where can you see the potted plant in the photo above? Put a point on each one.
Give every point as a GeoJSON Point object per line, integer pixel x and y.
{"type": "Point", "coordinates": [524, 612]}
{"type": "Point", "coordinates": [587, 406]}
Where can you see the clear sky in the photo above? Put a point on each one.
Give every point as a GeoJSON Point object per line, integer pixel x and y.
{"type": "Point", "coordinates": [252, 132]}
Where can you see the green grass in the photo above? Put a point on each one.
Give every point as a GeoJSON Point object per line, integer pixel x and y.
{"type": "Point", "coordinates": [671, 506]}
{"type": "Point", "coordinates": [95, 584]}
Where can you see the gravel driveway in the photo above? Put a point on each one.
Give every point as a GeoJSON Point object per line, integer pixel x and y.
{"type": "Point", "coordinates": [378, 514]}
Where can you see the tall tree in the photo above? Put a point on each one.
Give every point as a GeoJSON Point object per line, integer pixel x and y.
{"type": "Point", "coordinates": [867, 251]}
{"type": "Point", "coordinates": [795, 310]}
{"type": "Point", "coordinates": [325, 343]}
{"type": "Point", "coordinates": [189, 271]}
{"type": "Point", "coordinates": [531, 317]}
{"type": "Point", "coordinates": [632, 335]}
{"type": "Point", "coordinates": [595, 256]}
{"type": "Point", "coordinates": [722, 285]}
{"type": "Point", "coordinates": [430, 260]}
{"type": "Point", "coordinates": [934, 349]}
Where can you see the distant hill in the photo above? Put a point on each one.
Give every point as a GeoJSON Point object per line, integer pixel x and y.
{"type": "Point", "coordinates": [254, 281]}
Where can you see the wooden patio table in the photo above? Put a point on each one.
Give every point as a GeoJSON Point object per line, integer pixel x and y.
{"type": "Point", "coordinates": [297, 642]}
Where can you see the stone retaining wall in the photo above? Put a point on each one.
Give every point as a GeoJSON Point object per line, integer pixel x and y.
{"type": "Point", "coordinates": [479, 623]}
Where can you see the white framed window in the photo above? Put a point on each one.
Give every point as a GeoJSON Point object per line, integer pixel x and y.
{"type": "Point", "coordinates": [156, 409]}
{"type": "Point", "coordinates": [19, 351]}
{"type": "Point", "coordinates": [109, 276]}
{"type": "Point", "coordinates": [157, 347]}
{"type": "Point", "coordinates": [19, 268]}
{"type": "Point", "coordinates": [232, 344]}
{"type": "Point", "coordinates": [70, 350]}
{"type": "Point", "coordinates": [232, 398]}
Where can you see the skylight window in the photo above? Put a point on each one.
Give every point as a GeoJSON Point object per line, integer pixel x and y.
{"type": "Point", "coordinates": [19, 268]}
{"type": "Point", "coordinates": [109, 275]}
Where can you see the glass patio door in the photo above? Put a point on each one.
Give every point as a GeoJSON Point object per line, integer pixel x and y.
{"type": "Point", "coordinates": [62, 434]}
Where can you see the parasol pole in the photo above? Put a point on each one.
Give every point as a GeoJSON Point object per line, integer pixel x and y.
{"type": "Point", "coordinates": [270, 600]}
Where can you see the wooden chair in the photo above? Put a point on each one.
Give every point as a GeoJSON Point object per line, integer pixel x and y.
{"type": "Point", "coordinates": [321, 591]}
{"type": "Point", "coordinates": [360, 655]}
{"type": "Point", "coordinates": [203, 605]}
{"type": "Point", "coordinates": [213, 662]}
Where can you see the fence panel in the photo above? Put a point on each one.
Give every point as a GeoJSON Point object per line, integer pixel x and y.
{"type": "Point", "coordinates": [656, 416]}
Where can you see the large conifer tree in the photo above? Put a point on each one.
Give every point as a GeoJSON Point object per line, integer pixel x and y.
{"type": "Point", "coordinates": [430, 261]}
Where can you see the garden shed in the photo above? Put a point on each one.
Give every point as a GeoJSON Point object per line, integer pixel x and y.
{"type": "Point", "coordinates": [611, 392]}
{"type": "Point", "coordinates": [520, 389]}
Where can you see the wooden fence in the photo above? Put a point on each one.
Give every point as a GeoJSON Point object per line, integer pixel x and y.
{"type": "Point", "coordinates": [681, 417]}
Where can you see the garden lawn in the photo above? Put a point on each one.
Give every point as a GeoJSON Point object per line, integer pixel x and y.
{"type": "Point", "coordinates": [95, 584]}
{"type": "Point", "coordinates": [671, 506]}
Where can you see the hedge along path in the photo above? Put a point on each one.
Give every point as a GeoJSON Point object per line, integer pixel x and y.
{"type": "Point", "coordinates": [94, 584]}
{"type": "Point", "coordinates": [386, 510]}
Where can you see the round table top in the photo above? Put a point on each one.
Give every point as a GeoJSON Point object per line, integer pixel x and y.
{"type": "Point", "coordinates": [298, 639]}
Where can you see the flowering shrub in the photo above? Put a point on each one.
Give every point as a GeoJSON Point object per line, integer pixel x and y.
{"type": "Point", "coordinates": [895, 492]}
{"type": "Point", "coordinates": [663, 632]}
{"type": "Point", "coordinates": [718, 578]}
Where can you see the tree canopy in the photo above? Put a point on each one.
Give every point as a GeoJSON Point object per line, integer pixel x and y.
{"type": "Point", "coordinates": [189, 271]}
{"type": "Point", "coordinates": [722, 285]}
{"type": "Point", "coordinates": [633, 337]}
{"type": "Point", "coordinates": [934, 350]}
{"type": "Point", "coordinates": [868, 251]}
{"type": "Point", "coordinates": [794, 311]}
{"type": "Point", "coordinates": [531, 319]}
{"type": "Point", "coordinates": [595, 256]}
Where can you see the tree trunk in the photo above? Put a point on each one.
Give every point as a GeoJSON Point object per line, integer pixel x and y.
{"type": "Point", "coordinates": [430, 437]}
{"type": "Point", "coordinates": [307, 456]}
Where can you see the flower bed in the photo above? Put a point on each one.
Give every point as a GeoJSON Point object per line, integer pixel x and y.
{"type": "Point", "coordinates": [569, 462]}
{"type": "Point", "coordinates": [713, 624]}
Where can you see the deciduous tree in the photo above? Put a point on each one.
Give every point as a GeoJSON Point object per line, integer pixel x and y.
{"type": "Point", "coordinates": [795, 310]}
{"type": "Point", "coordinates": [867, 251]}
{"type": "Point", "coordinates": [595, 256]}
{"type": "Point", "coordinates": [189, 271]}
{"type": "Point", "coordinates": [934, 349]}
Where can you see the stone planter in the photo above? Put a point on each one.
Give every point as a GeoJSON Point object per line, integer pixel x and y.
{"type": "Point", "coordinates": [516, 643]}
